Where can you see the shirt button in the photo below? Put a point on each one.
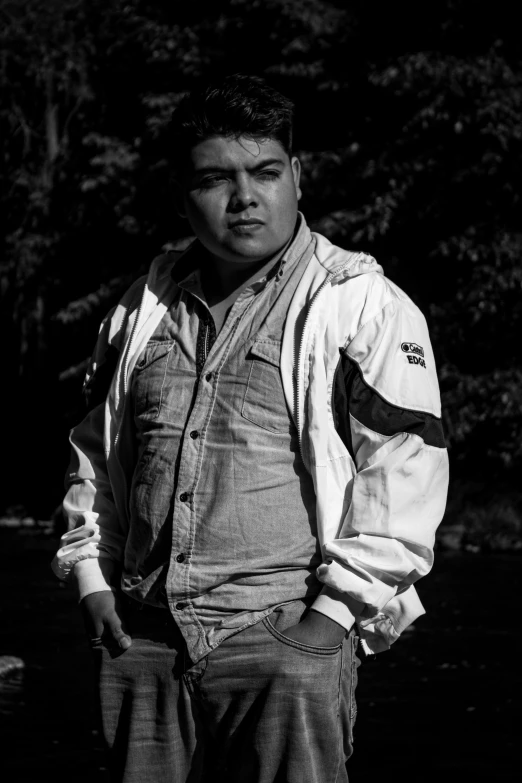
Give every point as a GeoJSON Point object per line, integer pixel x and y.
{"type": "Point", "coordinates": [194, 434]}
{"type": "Point", "coordinates": [180, 558]}
{"type": "Point", "coordinates": [184, 497]}
{"type": "Point", "coordinates": [208, 376]}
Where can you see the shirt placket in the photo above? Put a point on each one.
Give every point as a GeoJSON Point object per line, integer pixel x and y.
{"type": "Point", "coordinates": [191, 461]}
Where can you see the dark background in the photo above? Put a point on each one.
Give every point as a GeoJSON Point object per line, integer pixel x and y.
{"type": "Point", "coordinates": [409, 130]}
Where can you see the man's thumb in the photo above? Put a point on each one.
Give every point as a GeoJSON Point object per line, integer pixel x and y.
{"type": "Point", "coordinates": [121, 638]}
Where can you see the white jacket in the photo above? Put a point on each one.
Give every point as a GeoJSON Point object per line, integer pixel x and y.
{"type": "Point", "coordinates": [377, 509]}
{"type": "Point", "coordinates": [376, 514]}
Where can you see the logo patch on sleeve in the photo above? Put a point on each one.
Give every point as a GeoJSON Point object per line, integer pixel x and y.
{"type": "Point", "coordinates": [415, 353]}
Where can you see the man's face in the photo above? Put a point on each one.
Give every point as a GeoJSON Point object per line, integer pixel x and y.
{"type": "Point", "coordinates": [240, 197]}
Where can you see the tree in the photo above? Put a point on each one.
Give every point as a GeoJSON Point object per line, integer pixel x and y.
{"type": "Point", "coordinates": [408, 128]}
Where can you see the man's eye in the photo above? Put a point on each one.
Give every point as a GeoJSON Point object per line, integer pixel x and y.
{"type": "Point", "coordinates": [269, 174]}
{"type": "Point", "coordinates": [210, 182]}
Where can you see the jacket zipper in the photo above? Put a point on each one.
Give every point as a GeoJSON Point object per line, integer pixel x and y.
{"type": "Point", "coordinates": [207, 340]}
{"type": "Point", "coordinates": [299, 390]}
{"type": "Point", "coordinates": [299, 358]}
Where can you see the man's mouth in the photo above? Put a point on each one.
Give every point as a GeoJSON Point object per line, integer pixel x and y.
{"type": "Point", "coordinates": [246, 223]}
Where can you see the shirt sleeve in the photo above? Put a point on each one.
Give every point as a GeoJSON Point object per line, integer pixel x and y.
{"type": "Point", "coordinates": [387, 411]}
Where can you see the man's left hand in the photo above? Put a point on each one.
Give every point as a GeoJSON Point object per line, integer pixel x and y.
{"type": "Point", "coordinates": [316, 630]}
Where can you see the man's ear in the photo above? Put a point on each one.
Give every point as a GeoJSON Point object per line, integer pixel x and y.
{"type": "Point", "coordinates": [296, 171]}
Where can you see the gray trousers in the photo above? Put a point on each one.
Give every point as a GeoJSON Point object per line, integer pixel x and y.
{"type": "Point", "coordinates": [260, 708]}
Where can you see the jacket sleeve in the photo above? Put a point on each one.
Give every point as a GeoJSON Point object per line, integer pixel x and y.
{"type": "Point", "coordinates": [386, 407]}
{"type": "Point", "coordinates": [93, 544]}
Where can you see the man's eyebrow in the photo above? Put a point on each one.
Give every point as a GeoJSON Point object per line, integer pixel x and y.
{"type": "Point", "coordinates": [261, 165]}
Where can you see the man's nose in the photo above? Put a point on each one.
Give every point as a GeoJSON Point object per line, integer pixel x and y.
{"type": "Point", "coordinates": [243, 195]}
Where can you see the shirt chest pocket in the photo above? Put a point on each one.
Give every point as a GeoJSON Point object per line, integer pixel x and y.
{"type": "Point", "coordinates": [150, 378]}
{"type": "Point", "coordinates": [264, 402]}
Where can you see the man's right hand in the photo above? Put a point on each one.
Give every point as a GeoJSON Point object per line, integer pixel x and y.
{"type": "Point", "coordinates": [103, 619]}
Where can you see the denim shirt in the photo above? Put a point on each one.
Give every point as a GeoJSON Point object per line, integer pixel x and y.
{"type": "Point", "coordinates": [222, 524]}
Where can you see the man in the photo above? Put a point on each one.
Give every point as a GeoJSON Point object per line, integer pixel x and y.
{"type": "Point", "coordinates": [259, 476]}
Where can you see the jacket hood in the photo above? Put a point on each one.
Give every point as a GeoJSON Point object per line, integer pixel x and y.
{"type": "Point", "coordinates": [343, 263]}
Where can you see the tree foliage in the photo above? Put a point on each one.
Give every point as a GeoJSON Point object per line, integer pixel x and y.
{"type": "Point", "coordinates": [409, 125]}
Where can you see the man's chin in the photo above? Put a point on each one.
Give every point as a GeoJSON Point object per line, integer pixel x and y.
{"type": "Point", "coordinates": [245, 253]}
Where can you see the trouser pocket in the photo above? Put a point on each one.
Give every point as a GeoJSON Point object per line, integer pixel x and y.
{"type": "Point", "coordinates": [312, 649]}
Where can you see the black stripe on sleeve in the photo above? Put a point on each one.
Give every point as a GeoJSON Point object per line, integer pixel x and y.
{"type": "Point", "coordinates": [352, 396]}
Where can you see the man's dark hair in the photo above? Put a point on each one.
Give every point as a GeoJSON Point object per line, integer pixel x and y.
{"type": "Point", "coordinates": [238, 105]}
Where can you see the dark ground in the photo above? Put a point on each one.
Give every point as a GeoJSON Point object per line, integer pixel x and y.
{"type": "Point", "coordinates": [442, 705]}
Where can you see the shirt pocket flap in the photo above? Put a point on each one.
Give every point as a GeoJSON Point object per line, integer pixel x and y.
{"type": "Point", "coordinates": [270, 351]}
{"type": "Point", "coordinates": [153, 352]}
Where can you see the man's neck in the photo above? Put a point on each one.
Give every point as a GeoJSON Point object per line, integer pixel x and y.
{"type": "Point", "coordinates": [223, 282]}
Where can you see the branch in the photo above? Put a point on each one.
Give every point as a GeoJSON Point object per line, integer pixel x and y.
{"type": "Point", "coordinates": [71, 114]}
{"type": "Point", "coordinates": [26, 129]}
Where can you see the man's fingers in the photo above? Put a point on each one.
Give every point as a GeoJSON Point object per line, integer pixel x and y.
{"type": "Point", "coordinates": [102, 612]}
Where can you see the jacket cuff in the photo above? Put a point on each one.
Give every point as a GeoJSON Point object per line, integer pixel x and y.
{"type": "Point", "coordinates": [404, 608]}
{"type": "Point", "coordinates": [341, 608]}
{"type": "Point", "coordinates": [93, 575]}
